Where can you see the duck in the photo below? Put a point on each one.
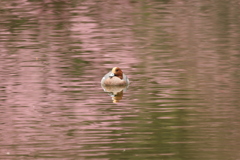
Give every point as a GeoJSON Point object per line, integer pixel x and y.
{"type": "Point", "coordinates": [115, 78]}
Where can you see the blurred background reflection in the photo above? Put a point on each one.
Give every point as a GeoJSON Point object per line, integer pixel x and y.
{"type": "Point", "coordinates": [182, 59]}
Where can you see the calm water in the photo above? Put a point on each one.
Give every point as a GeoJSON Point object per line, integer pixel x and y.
{"type": "Point", "coordinates": [182, 58]}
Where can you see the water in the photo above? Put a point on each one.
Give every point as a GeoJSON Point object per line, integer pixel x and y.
{"type": "Point", "coordinates": [182, 59]}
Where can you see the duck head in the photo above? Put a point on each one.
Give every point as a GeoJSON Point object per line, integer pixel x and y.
{"type": "Point", "coordinates": [116, 72]}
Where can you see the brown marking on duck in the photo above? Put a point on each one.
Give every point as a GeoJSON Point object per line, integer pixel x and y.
{"type": "Point", "coordinates": [115, 77]}
{"type": "Point", "coordinates": [114, 81]}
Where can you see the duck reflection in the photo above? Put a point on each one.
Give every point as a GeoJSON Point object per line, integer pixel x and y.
{"type": "Point", "coordinates": [116, 92]}
{"type": "Point", "coordinates": [115, 83]}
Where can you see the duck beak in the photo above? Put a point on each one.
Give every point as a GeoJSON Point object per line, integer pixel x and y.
{"type": "Point", "coordinates": [111, 75]}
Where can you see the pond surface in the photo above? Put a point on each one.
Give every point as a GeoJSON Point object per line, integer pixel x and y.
{"type": "Point", "coordinates": [182, 58]}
